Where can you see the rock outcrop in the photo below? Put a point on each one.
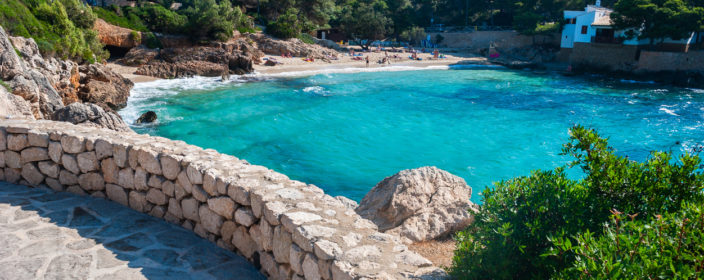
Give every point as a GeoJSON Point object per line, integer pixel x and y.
{"type": "Point", "coordinates": [235, 57]}
{"type": "Point", "coordinates": [138, 56]}
{"type": "Point", "coordinates": [419, 204]}
{"type": "Point", "coordinates": [294, 47]}
{"type": "Point", "coordinates": [112, 35]}
{"type": "Point", "coordinates": [90, 115]}
{"type": "Point", "coordinates": [46, 85]}
{"type": "Point", "coordinates": [148, 117]}
{"type": "Point", "coordinates": [14, 106]}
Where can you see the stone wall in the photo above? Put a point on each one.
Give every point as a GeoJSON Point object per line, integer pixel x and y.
{"type": "Point", "coordinates": [483, 39]}
{"type": "Point", "coordinates": [671, 61]}
{"type": "Point", "coordinates": [290, 229]}
{"type": "Point", "coordinates": [612, 57]}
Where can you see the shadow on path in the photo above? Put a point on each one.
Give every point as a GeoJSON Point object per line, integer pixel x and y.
{"type": "Point", "coordinates": [56, 235]}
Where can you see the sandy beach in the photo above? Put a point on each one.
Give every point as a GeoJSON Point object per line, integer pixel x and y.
{"type": "Point", "coordinates": [344, 60]}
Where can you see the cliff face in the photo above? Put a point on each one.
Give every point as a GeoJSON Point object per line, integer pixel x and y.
{"type": "Point", "coordinates": [47, 85]}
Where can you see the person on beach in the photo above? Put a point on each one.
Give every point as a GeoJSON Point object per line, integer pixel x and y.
{"type": "Point", "coordinates": [436, 54]}
{"type": "Point", "coordinates": [367, 58]}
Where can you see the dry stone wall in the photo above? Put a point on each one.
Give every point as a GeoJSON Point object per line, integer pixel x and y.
{"type": "Point", "coordinates": [290, 229]}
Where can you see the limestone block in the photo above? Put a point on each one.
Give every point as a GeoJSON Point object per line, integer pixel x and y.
{"type": "Point", "coordinates": [200, 231]}
{"type": "Point", "coordinates": [138, 201]}
{"type": "Point", "coordinates": [244, 216]}
{"type": "Point", "coordinates": [292, 220]}
{"type": "Point", "coordinates": [168, 188]}
{"type": "Point", "coordinates": [239, 194]}
{"type": "Point", "coordinates": [69, 162]}
{"type": "Point", "coordinates": [34, 154]}
{"type": "Point", "coordinates": [223, 206]}
{"type": "Point", "coordinates": [285, 271]}
{"type": "Point", "coordinates": [221, 186]}
{"type": "Point", "coordinates": [110, 171]}
{"type": "Point", "coordinates": [226, 231]}
{"type": "Point", "coordinates": [140, 179]}
{"type": "Point", "coordinates": [282, 244]}
{"type": "Point", "coordinates": [362, 253]}
{"type": "Point", "coordinates": [49, 168]}
{"type": "Point", "coordinates": [269, 264]}
{"type": "Point", "coordinates": [156, 196]}
{"type": "Point", "coordinates": [13, 159]}
{"type": "Point", "coordinates": [310, 267]}
{"type": "Point", "coordinates": [195, 176]}
{"type": "Point", "coordinates": [190, 209]}
{"type": "Point", "coordinates": [55, 151]}
{"type": "Point", "coordinates": [149, 160]}
{"type": "Point", "coordinates": [103, 149]}
{"type": "Point", "coordinates": [76, 190]}
{"type": "Point", "coordinates": [12, 175]}
{"type": "Point", "coordinates": [273, 210]}
{"type": "Point", "coordinates": [119, 153]}
{"type": "Point", "coordinates": [155, 181]}
{"type": "Point", "coordinates": [87, 162]}
{"type": "Point", "coordinates": [38, 139]}
{"type": "Point", "coordinates": [67, 178]}
{"type": "Point", "coordinates": [209, 184]}
{"type": "Point", "coordinates": [179, 192]}
{"type": "Point", "coordinates": [413, 259]}
{"type": "Point", "coordinates": [267, 235]}
{"type": "Point", "coordinates": [324, 268]}
{"type": "Point", "coordinates": [158, 211]}
{"type": "Point", "coordinates": [352, 239]}
{"type": "Point", "coordinates": [17, 142]}
{"type": "Point", "coordinates": [2, 159]}
{"type": "Point", "coordinates": [73, 144]}
{"type": "Point", "coordinates": [184, 182]}
{"type": "Point", "coordinates": [187, 225]}
{"type": "Point", "coordinates": [90, 144]}
{"type": "Point", "coordinates": [3, 140]}
{"type": "Point", "coordinates": [199, 194]}
{"type": "Point", "coordinates": [133, 157]}
{"type": "Point", "coordinates": [125, 178]}
{"type": "Point", "coordinates": [53, 184]}
{"type": "Point", "coordinates": [304, 235]}
{"type": "Point", "coordinates": [175, 208]}
{"type": "Point", "coordinates": [327, 250]}
{"type": "Point", "coordinates": [32, 174]}
{"type": "Point", "coordinates": [170, 167]}
{"type": "Point", "coordinates": [342, 271]}
{"type": "Point", "coordinates": [210, 220]}
{"type": "Point", "coordinates": [117, 194]}
{"type": "Point", "coordinates": [295, 257]}
{"type": "Point", "coordinates": [91, 181]}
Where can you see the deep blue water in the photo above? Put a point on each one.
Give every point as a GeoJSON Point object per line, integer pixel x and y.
{"type": "Point", "coordinates": [346, 132]}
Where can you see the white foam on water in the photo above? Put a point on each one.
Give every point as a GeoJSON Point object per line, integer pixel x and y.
{"type": "Point", "coordinates": [667, 110]}
{"type": "Point", "coordinates": [350, 70]}
{"type": "Point", "coordinates": [636, 82]}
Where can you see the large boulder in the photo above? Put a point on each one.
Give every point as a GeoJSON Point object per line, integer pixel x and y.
{"type": "Point", "coordinates": [102, 86]}
{"type": "Point", "coordinates": [90, 115]}
{"type": "Point", "coordinates": [293, 46]}
{"type": "Point", "coordinates": [138, 56]}
{"type": "Point", "coordinates": [213, 60]}
{"type": "Point", "coordinates": [419, 204]}
{"type": "Point", "coordinates": [113, 35]}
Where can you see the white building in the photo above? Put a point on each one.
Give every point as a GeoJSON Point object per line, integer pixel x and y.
{"type": "Point", "coordinates": [594, 25]}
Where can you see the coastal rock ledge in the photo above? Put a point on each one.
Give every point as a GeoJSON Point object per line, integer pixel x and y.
{"type": "Point", "coordinates": [419, 204]}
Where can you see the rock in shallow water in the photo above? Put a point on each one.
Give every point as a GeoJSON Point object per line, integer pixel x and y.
{"type": "Point", "coordinates": [148, 117]}
{"type": "Point", "coordinates": [419, 204]}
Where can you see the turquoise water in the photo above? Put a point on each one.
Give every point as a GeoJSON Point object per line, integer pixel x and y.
{"type": "Point", "coordinates": [346, 132]}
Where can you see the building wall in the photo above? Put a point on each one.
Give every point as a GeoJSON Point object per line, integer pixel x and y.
{"type": "Point", "coordinates": [482, 39]}
{"type": "Point", "coordinates": [567, 40]}
{"type": "Point", "coordinates": [671, 61]}
{"type": "Point", "coordinates": [610, 56]}
{"type": "Point", "coordinates": [585, 20]}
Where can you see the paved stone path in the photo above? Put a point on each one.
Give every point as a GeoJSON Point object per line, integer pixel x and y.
{"type": "Point", "coordinates": [50, 235]}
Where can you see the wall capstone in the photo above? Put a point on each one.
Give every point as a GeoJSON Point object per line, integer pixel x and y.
{"type": "Point", "coordinates": [290, 229]}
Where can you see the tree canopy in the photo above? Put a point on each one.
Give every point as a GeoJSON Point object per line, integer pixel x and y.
{"type": "Point", "coordinates": [658, 19]}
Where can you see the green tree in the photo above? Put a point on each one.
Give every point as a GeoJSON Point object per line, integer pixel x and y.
{"type": "Point", "coordinates": [523, 220]}
{"type": "Point", "coordinates": [655, 19]}
{"type": "Point", "coordinates": [366, 20]}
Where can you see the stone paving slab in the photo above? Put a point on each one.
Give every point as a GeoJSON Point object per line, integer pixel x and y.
{"type": "Point", "coordinates": [56, 235]}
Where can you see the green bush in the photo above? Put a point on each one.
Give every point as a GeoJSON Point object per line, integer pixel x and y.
{"type": "Point", "coordinates": [306, 38]}
{"type": "Point", "coordinates": [132, 21]}
{"type": "Point", "coordinates": [151, 41]}
{"type": "Point", "coordinates": [515, 231]}
{"type": "Point", "coordinates": [286, 26]}
{"type": "Point", "coordinates": [670, 246]}
{"type": "Point", "coordinates": [61, 27]}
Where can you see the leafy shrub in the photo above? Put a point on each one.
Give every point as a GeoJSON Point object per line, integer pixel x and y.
{"type": "Point", "coordinates": [306, 38]}
{"type": "Point", "coordinates": [132, 21]}
{"type": "Point", "coordinates": [670, 246]}
{"type": "Point", "coordinates": [514, 233]}
{"type": "Point", "coordinates": [59, 27]}
{"type": "Point", "coordinates": [286, 26]}
{"type": "Point", "coordinates": [135, 36]}
{"type": "Point", "coordinates": [5, 85]}
{"type": "Point", "coordinates": [151, 41]}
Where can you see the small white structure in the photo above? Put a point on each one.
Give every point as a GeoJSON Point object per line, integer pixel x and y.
{"type": "Point", "coordinates": [594, 25]}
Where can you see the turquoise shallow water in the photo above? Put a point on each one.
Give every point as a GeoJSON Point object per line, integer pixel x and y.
{"type": "Point", "coordinates": [346, 132]}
